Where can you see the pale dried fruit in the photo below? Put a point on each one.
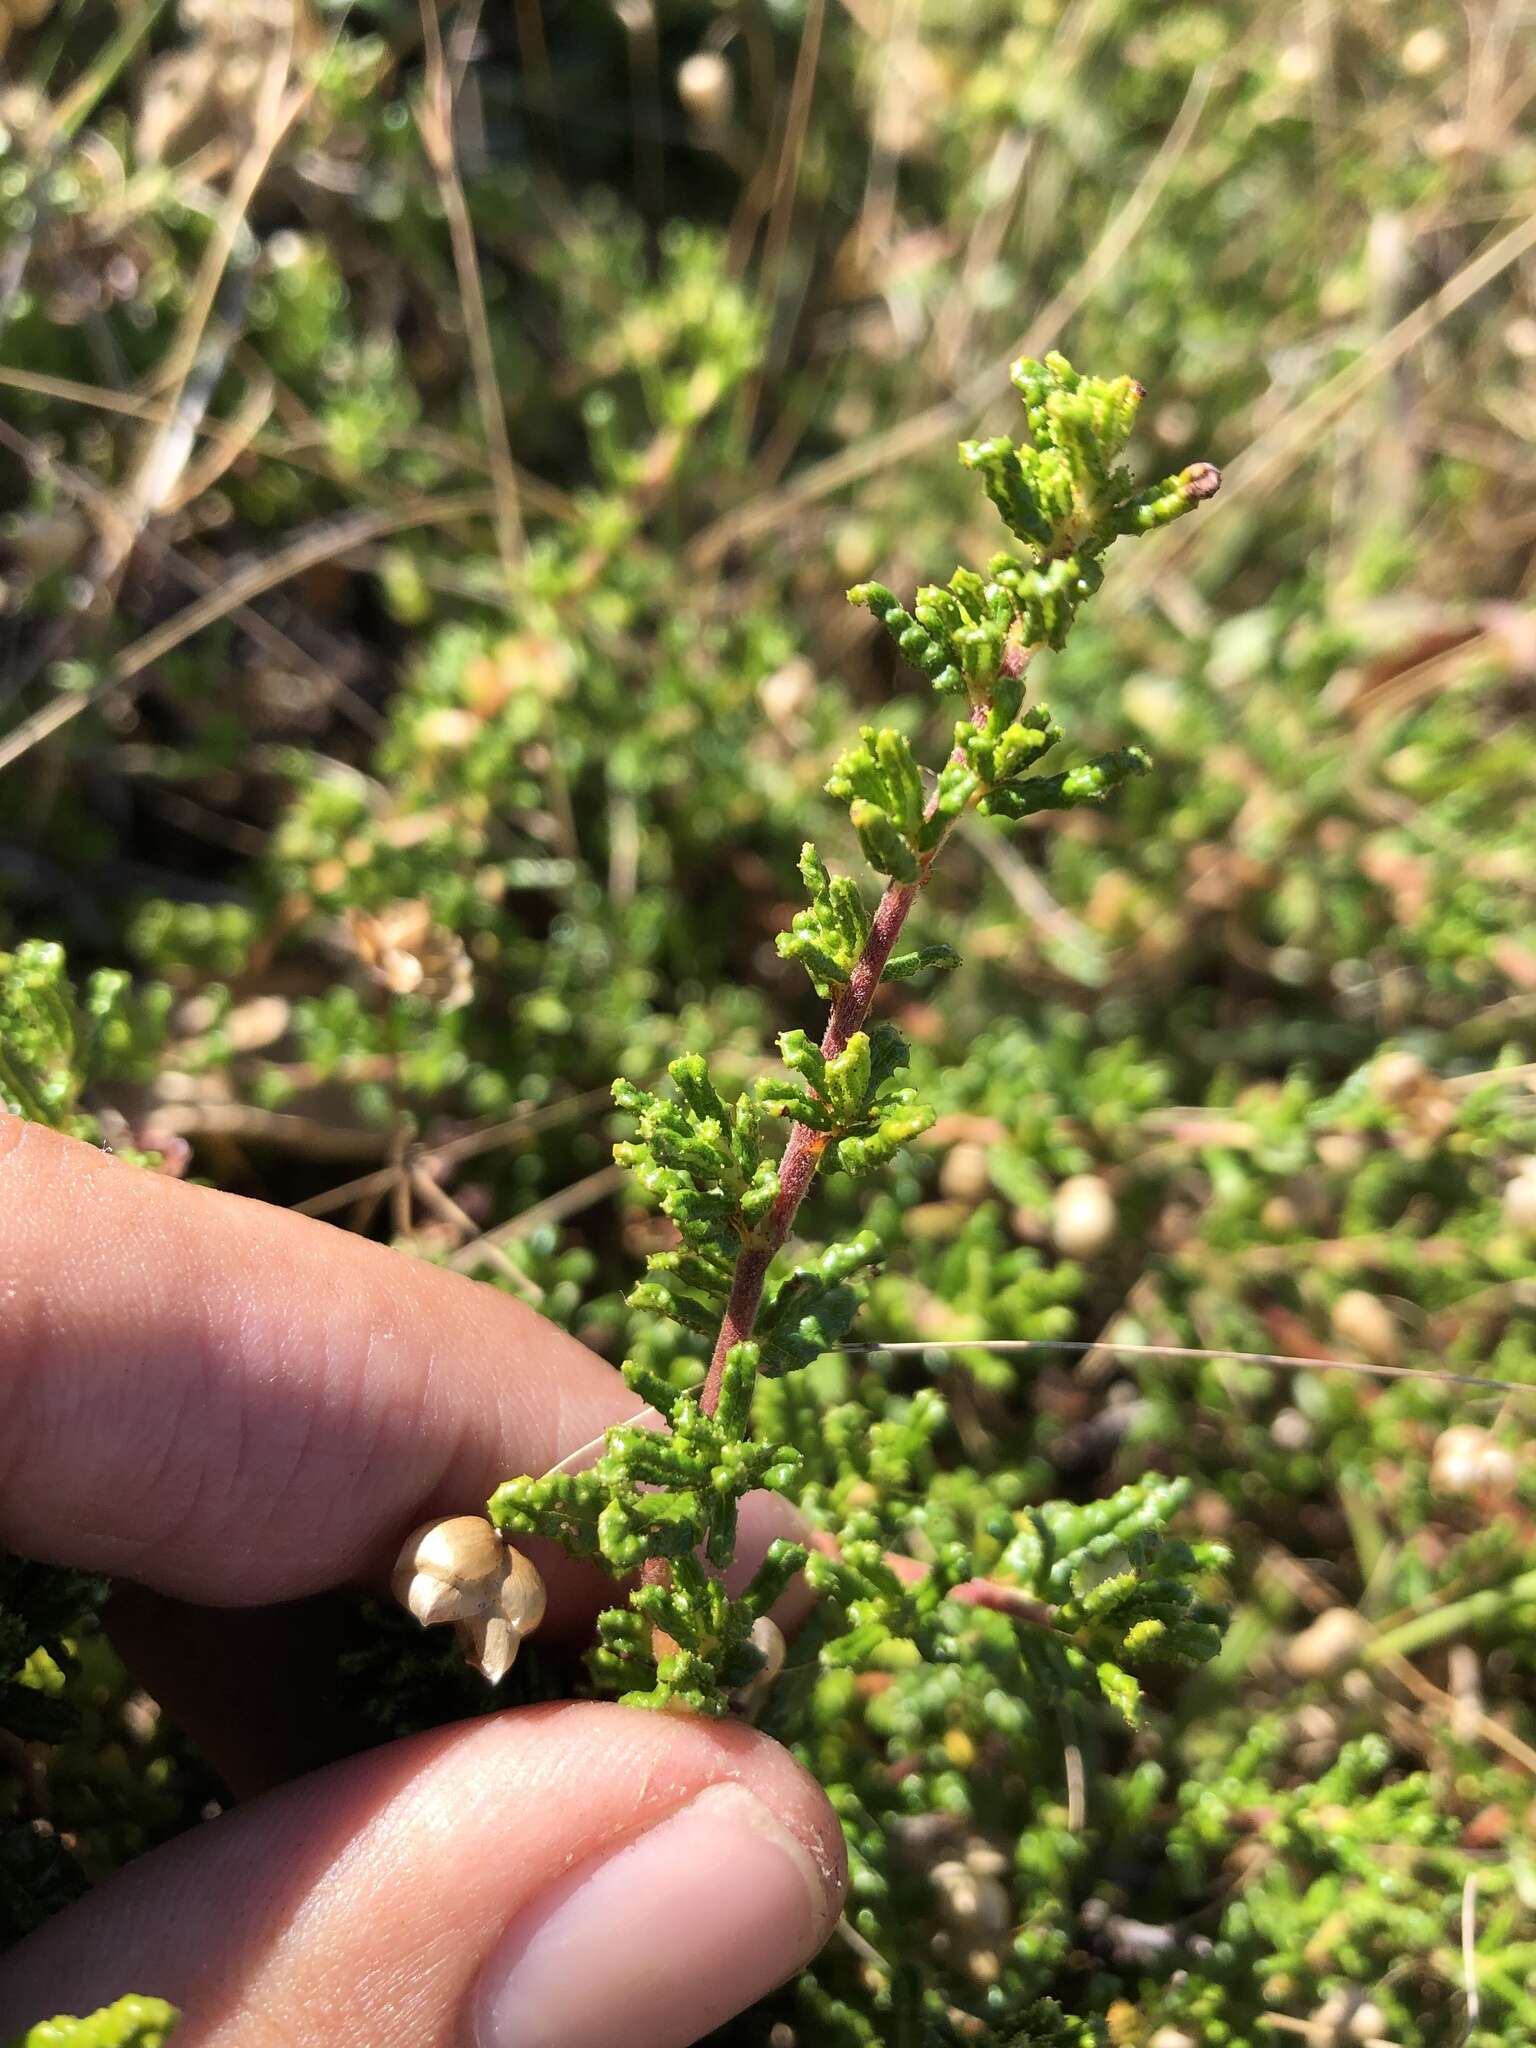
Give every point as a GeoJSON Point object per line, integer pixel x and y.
{"type": "Point", "coordinates": [964, 1176]}
{"type": "Point", "coordinates": [1399, 1075]}
{"type": "Point", "coordinates": [1292, 1431]}
{"type": "Point", "coordinates": [1366, 1323]}
{"type": "Point", "coordinates": [1331, 1643]}
{"type": "Point", "coordinates": [975, 1906]}
{"type": "Point", "coordinates": [449, 729]}
{"type": "Point", "coordinates": [1520, 1201]}
{"type": "Point", "coordinates": [458, 1569]}
{"type": "Point", "coordinates": [706, 88]}
{"type": "Point", "coordinates": [787, 695]}
{"type": "Point", "coordinates": [767, 1638]}
{"type": "Point", "coordinates": [1467, 1459]}
{"type": "Point", "coordinates": [254, 1025]}
{"type": "Point", "coordinates": [407, 954]}
{"type": "Point", "coordinates": [1342, 1151]}
{"type": "Point", "coordinates": [1343, 2017]}
{"type": "Point", "coordinates": [1083, 1216]}
{"type": "Point", "coordinates": [1425, 51]}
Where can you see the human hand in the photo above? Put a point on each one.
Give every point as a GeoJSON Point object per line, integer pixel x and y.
{"type": "Point", "coordinates": [235, 1409]}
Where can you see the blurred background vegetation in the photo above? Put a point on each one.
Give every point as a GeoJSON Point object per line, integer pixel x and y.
{"type": "Point", "coordinates": [435, 448]}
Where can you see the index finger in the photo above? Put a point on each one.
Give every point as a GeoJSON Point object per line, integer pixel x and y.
{"type": "Point", "coordinates": [238, 1405]}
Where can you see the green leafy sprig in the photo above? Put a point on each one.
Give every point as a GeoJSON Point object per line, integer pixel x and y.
{"type": "Point", "coordinates": [666, 1505]}
{"type": "Point", "coordinates": [128, 2023]}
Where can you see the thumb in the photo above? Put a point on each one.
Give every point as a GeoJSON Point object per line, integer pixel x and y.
{"type": "Point", "coordinates": [556, 1877]}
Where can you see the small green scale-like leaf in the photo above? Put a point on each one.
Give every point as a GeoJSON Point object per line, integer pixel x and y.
{"type": "Point", "coordinates": [828, 936]}
{"type": "Point", "coordinates": [940, 959]}
{"type": "Point", "coordinates": [1090, 783]}
{"type": "Point", "coordinates": [130, 2023]}
{"type": "Point", "coordinates": [881, 842]}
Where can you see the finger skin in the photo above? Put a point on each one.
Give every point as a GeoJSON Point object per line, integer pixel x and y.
{"type": "Point", "coordinates": [236, 1405]}
{"type": "Point", "coordinates": [355, 1908]}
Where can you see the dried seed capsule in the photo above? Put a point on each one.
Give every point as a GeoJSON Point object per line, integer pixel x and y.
{"type": "Point", "coordinates": [1360, 1319]}
{"type": "Point", "coordinates": [449, 1568]}
{"type": "Point", "coordinates": [1467, 1459]}
{"type": "Point", "coordinates": [1520, 1200]}
{"type": "Point", "coordinates": [1333, 1641]}
{"type": "Point", "coordinates": [458, 1569]}
{"type": "Point", "coordinates": [767, 1638]}
{"type": "Point", "coordinates": [1083, 1216]}
{"type": "Point", "coordinates": [1291, 1431]}
{"type": "Point", "coordinates": [1399, 1075]}
{"type": "Point", "coordinates": [975, 1906]}
{"type": "Point", "coordinates": [787, 695]}
{"type": "Point", "coordinates": [1342, 1151]}
{"type": "Point", "coordinates": [965, 1175]}
{"type": "Point", "coordinates": [706, 88]}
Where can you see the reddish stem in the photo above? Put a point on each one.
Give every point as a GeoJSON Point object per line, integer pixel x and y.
{"type": "Point", "coordinates": [803, 1153]}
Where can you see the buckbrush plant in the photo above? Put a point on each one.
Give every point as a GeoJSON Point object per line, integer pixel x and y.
{"type": "Point", "coordinates": [406, 854]}
{"type": "Point", "coordinates": [1103, 1586]}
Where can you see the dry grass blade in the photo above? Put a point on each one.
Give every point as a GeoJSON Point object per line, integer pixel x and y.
{"type": "Point", "coordinates": [434, 119]}
{"type": "Point", "coordinates": [786, 183]}
{"type": "Point", "coordinates": [1033, 899]}
{"type": "Point", "coordinates": [105, 508]}
{"type": "Point", "coordinates": [191, 370]}
{"type": "Point", "coordinates": [444, 1206]}
{"type": "Point", "coordinates": [284, 1129]}
{"type": "Point", "coordinates": [320, 544]}
{"type": "Point", "coordinates": [1279, 450]}
{"type": "Point", "coordinates": [1281, 1360]}
{"type": "Point", "coordinates": [581, 1194]}
{"type": "Point", "coordinates": [471, 1144]}
{"type": "Point", "coordinates": [1469, 1948]}
{"type": "Point", "coordinates": [954, 414]}
{"type": "Point", "coordinates": [225, 448]}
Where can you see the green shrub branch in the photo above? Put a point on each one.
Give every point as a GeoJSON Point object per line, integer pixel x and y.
{"type": "Point", "coordinates": [654, 1504]}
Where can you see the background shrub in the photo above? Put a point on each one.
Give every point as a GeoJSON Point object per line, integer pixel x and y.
{"type": "Point", "coordinates": [418, 681]}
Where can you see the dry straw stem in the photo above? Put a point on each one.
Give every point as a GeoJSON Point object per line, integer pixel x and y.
{"type": "Point", "coordinates": [170, 444]}
{"type": "Point", "coordinates": [434, 119]}
{"type": "Point", "coordinates": [106, 510]}
{"type": "Point", "coordinates": [1284, 446]}
{"type": "Point", "coordinates": [1378, 1654]}
{"type": "Point", "coordinates": [303, 444]}
{"type": "Point", "coordinates": [320, 543]}
{"type": "Point", "coordinates": [468, 1145]}
{"type": "Point", "coordinates": [1447, 1708]}
{"type": "Point", "coordinates": [301, 1135]}
{"type": "Point", "coordinates": [1469, 1948]}
{"type": "Point", "coordinates": [565, 1202]}
{"type": "Point", "coordinates": [951, 416]}
{"type": "Point", "coordinates": [196, 358]}
{"type": "Point", "coordinates": [786, 183]}
{"type": "Point", "coordinates": [1047, 917]}
{"type": "Point", "coordinates": [1281, 1360]}
{"type": "Point", "coordinates": [442, 1204]}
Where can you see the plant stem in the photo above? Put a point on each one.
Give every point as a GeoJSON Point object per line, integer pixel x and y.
{"type": "Point", "coordinates": [1473, 1610]}
{"type": "Point", "coordinates": [803, 1153]}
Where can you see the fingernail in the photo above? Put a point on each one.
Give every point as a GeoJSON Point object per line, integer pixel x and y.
{"type": "Point", "coordinates": [663, 1939]}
